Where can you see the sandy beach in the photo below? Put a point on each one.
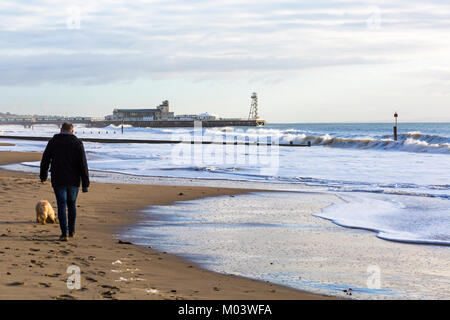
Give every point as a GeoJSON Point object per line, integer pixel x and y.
{"type": "Point", "coordinates": [34, 263]}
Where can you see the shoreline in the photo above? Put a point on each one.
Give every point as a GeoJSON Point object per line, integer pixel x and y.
{"type": "Point", "coordinates": [36, 261]}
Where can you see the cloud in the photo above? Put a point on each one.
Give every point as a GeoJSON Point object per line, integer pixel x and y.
{"type": "Point", "coordinates": [91, 69]}
{"type": "Point", "coordinates": [433, 80]}
{"type": "Point", "coordinates": [113, 41]}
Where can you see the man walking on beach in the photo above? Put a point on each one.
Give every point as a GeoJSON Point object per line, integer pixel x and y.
{"type": "Point", "coordinates": [65, 153]}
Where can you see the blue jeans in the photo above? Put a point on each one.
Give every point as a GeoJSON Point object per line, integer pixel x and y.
{"type": "Point", "coordinates": [66, 196]}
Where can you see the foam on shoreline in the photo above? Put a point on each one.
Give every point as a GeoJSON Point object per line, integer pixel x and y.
{"type": "Point", "coordinates": [274, 237]}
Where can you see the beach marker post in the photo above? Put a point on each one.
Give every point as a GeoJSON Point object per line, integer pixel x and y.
{"type": "Point", "coordinates": [395, 127]}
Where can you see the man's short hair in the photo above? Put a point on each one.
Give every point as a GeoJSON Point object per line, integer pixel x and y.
{"type": "Point", "coordinates": [67, 127]}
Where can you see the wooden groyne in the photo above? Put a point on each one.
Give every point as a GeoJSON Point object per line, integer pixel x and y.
{"type": "Point", "coordinates": [102, 140]}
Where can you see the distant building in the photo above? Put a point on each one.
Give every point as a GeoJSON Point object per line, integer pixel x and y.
{"type": "Point", "coordinates": [160, 113]}
{"type": "Point", "coordinates": [8, 117]}
{"type": "Point", "coordinates": [201, 116]}
{"type": "Point", "coordinates": [185, 117]}
{"type": "Point", "coordinates": [206, 116]}
{"type": "Point", "coordinates": [77, 119]}
{"type": "Point", "coordinates": [42, 119]}
{"type": "Point", "coordinates": [164, 110]}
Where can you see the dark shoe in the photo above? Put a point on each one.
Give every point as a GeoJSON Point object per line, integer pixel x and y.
{"type": "Point", "coordinates": [63, 238]}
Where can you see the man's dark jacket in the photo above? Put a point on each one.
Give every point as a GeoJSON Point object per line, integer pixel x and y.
{"type": "Point", "coordinates": [65, 153]}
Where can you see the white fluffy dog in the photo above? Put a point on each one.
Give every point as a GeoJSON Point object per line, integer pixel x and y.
{"type": "Point", "coordinates": [45, 212]}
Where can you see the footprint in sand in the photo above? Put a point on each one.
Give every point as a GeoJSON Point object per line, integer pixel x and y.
{"type": "Point", "coordinates": [45, 285]}
{"type": "Point", "coordinates": [82, 261]}
{"type": "Point", "coordinates": [64, 297]}
{"type": "Point", "coordinates": [55, 275]}
{"type": "Point", "coordinates": [108, 294]}
{"type": "Point", "coordinates": [65, 252]}
{"type": "Point", "coordinates": [107, 286]}
{"type": "Point", "coordinates": [90, 279]}
{"type": "Point", "coordinates": [38, 263]}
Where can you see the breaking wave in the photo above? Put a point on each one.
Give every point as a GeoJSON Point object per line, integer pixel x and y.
{"type": "Point", "coordinates": [407, 142]}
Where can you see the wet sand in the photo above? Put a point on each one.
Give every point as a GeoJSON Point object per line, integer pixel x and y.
{"type": "Point", "coordinates": [33, 263]}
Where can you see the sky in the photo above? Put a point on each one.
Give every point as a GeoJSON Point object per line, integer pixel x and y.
{"type": "Point", "coordinates": [308, 61]}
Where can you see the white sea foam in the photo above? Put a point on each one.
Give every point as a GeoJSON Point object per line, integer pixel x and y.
{"type": "Point", "coordinates": [274, 237]}
{"type": "Point", "coordinates": [394, 217]}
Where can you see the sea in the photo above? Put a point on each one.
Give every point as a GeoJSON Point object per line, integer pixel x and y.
{"type": "Point", "coordinates": [396, 191]}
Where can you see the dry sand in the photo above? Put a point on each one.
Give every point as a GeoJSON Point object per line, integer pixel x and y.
{"type": "Point", "coordinates": [33, 263]}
